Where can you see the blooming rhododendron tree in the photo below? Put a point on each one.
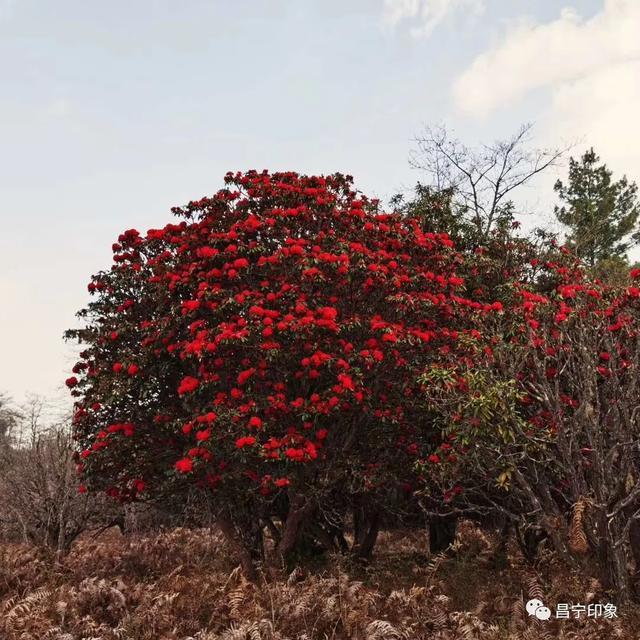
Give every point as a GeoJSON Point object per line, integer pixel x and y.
{"type": "Point", "coordinates": [266, 350]}
{"type": "Point", "coordinates": [551, 428]}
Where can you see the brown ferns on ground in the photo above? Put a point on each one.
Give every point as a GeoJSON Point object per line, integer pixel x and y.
{"type": "Point", "coordinates": [185, 585]}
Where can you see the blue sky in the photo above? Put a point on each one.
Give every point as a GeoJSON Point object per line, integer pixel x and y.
{"type": "Point", "coordinates": [111, 113]}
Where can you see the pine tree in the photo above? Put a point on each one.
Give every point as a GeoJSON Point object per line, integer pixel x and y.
{"type": "Point", "coordinates": [601, 214]}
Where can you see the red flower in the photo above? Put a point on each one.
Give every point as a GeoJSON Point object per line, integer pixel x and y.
{"type": "Point", "coordinates": [188, 385]}
{"type": "Point", "coordinates": [243, 376]}
{"type": "Point", "coordinates": [282, 482]}
{"type": "Point", "coordinates": [294, 454]}
{"type": "Point", "coordinates": [255, 422]}
{"type": "Point", "coordinates": [203, 435]}
{"type": "Point", "coordinates": [132, 369]}
{"type": "Point", "coordinates": [434, 458]}
{"type": "Point", "coordinates": [185, 465]}
{"type": "Point", "coordinates": [207, 252]}
{"type": "Point", "coordinates": [328, 313]}
{"type": "Point", "coordinates": [117, 367]}
{"type": "Point", "coordinates": [190, 305]}
{"type": "Point", "coordinates": [247, 441]}
{"type": "Point", "coordinates": [71, 382]}
{"type": "Point", "coordinates": [346, 381]}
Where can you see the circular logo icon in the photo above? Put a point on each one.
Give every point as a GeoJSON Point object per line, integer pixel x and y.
{"type": "Point", "coordinates": [536, 608]}
{"type": "Point", "coordinates": [543, 613]}
{"type": "Point", "coordinates": [532, 605]}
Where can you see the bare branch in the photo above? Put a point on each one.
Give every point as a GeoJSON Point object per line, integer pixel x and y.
{"type": "Point", "coordinates": [481, 180]}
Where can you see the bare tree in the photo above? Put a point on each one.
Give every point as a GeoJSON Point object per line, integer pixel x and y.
{"type": "Point", "coordinates": [481, 181]}
{"type": "Point", "coordinates": [8, 420]}
{"type": "Point", "coordinates": [39, 497]}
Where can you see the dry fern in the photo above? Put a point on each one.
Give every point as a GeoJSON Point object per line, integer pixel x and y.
{"type": "Point", "coordinates": [152, 588]}
{"type": "Point", "coordinates": [578, 542]}
{"type": "Point", "coordinates": [25, 609]}
{"type": "Point", "coordinates": [518, 618]}
{"type": "Point", "coordinates": [382, 630]}
{"type": "Point", "coordinates": [236, 598]}
{"type": "Point", "coordinates": [534, 591]}
{"type": "Point", "coordinates": [434, 565]}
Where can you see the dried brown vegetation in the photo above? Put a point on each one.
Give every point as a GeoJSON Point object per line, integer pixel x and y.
{"type": "Point", "coordinates": [182, 583]}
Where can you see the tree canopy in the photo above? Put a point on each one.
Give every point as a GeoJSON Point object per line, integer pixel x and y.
{"type": "Point", "coordinates": [600, 213]}
{"type": "Point", "coordinates": [267, 348]}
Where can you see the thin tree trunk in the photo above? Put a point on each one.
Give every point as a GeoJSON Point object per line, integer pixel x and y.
{"type": "Point", "coordinates": [364, 547]}
{"type": "Point", "coordinates": [612, 559]}
{"type": "Point", "coordinates": [299, 509]}
{"type": "Point", "coordinates": [235, 541]}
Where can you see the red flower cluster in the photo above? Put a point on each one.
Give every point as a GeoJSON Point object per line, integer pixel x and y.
{"type": "Point", "coordinates": [283, 322]}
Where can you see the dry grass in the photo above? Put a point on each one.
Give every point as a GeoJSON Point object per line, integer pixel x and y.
{"type": "Point", "coordinates": [183, 584]}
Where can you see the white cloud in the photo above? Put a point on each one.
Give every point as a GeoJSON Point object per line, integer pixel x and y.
{"type": "Point", "coordinates": [426, 14]}
{"type": "Point", "coordinates": [591, 71]}
{"type": "Point", "coordinates": [59, 108]}
{"type": "Point", "coordinates": [532, 56]}
{"type": "Point", "coordinates": [601, 109]}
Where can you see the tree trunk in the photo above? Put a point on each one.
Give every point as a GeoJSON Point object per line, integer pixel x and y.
{"type": "Point", "coordinates": [442, 533]}
{"type": "Point", "coordinates": [235, 541]}
{"type": "Point", "coordinates": [612, 557]}
{"type": "Point", "coordinates": [612, 563]}
{"type": "Point", "coordinates": [363, 549]}
{"type": "Point", "coordinates": [299, 509]}
{"type": "Point", "coordinates": [366, 526]}
{"type": "Point", "coordinates": [634, 542]}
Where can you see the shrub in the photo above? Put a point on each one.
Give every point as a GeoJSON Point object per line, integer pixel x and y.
{"type": "Point", "coordinates": [266, 349]}
{"type": "Point", "coordinates": [551, 427]}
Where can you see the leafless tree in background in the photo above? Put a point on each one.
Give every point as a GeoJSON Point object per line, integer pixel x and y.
{"type": "Point", "coordinates": [39, 498]}
{"type": "Point", "coordinates": [8, 421]}
{"type": "Point", "coordinates": [481, 181]}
